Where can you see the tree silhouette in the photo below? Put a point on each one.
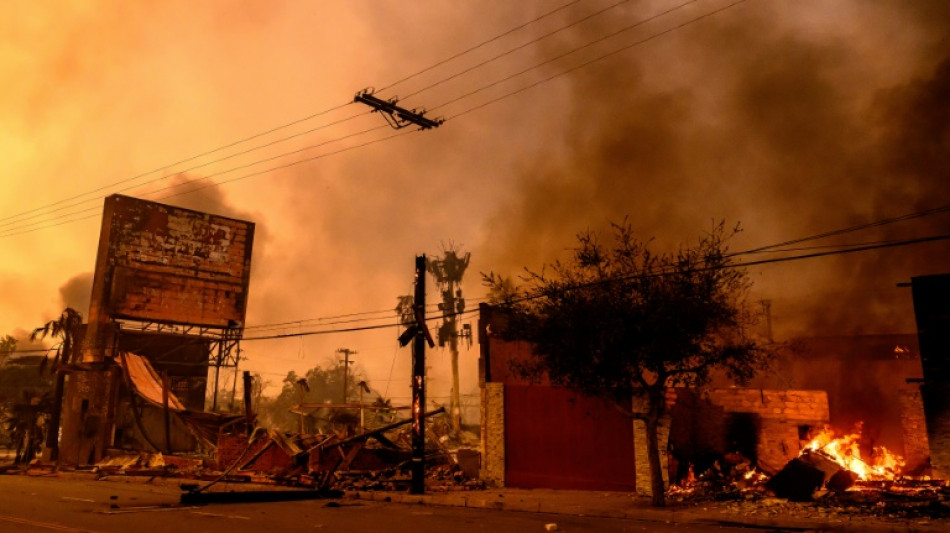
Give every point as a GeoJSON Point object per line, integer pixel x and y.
{"type": "Point", "coordinates": [65, 327]}
{"type": "Point", "coordinates": [620, 322]}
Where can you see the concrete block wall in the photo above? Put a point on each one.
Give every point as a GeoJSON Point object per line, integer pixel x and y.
{"type": "Point", "coordinates": [493, 433]}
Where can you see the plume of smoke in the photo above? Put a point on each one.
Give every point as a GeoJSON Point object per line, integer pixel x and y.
{"type": "Point", "coordinates": [791, 132]}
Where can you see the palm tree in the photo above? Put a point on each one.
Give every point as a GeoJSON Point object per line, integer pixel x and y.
{"type": "Point", "coordinates": [65, 327]}
{"type": "Point", "coordinates": [448, 272]}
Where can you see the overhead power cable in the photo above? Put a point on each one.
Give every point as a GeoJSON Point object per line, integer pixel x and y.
{"type": "Point", "coordinates": [480, 45]}
{"type": "Point", "coordinates": [182, 161]}
{"type": "Point", "coordinates": [366, 316]}
{"type": "Point", "coordinates": [858, 227]}
{"type": "Point", "coordinates": [78, 215]}
{"type": "Point", "coordinates": [746, 264]}
{"type": "Point", "coordinates": [47, 212]}
{"type": "Point", "coordinates": [581, 65]}
{"type": "Point", "coordinates": [6, 221]}
{"type": "Point", "coordinates": [660, 273]}
{"type": "Point", "coordinates": [525, 45]}
{"type": "Point", "coordinates": [95, 211]}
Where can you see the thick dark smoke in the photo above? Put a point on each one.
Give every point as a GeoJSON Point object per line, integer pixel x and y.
{"type": "Point", "coordinates": [745, 118]}
{"type": "Point", "coordinates": [75, 293]}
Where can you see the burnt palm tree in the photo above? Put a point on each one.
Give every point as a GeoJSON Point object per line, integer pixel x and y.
{"type": "Point", "coordinates": [66, 327]}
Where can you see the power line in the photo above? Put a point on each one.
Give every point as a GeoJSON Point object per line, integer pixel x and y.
{"type": "Point", "coordinates": [759, 262]}
{"type": "Point", "coordinates": [95, 210]}
{"type": "Point", "coordinates": [6, 221]}
{"type": "Point", "coordinates": [528, 297]}
{"type": "Point", "coordinates": [218, 183]}
{"type": "Point", "coordinates": [332, 320]}
{"type": "Point", "coordinates": [186, 160]}
{"type": "Point", "coordinates": [181, 171]}
{"type": "Point", "coordinates": [582, 65]}
{"type": "Point", "coordinates": [850, 229]}
{"type": "Point", "coordinates": [479, 45]}
{"type": "Point", "coordinates": [77, 215]}
{"type": "Point", "coordinates": [523, 46]}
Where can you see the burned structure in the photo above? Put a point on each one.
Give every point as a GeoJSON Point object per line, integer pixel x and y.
{"type": "Point", "coordinates": [171, 286]}
{"type": "Point", "coordinates": [536, 435]}
{"type": "Point", "coordinates": [932, 310]}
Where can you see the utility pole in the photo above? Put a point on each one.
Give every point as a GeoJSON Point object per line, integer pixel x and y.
{"type": "Point", "coordinates": [421, 336]}
{"type": "Point", "coordinates": [346, 367]}
{"type": "Point", "coordinates": [398, 117]}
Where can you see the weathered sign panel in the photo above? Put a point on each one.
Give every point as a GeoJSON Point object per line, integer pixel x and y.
{"type": "Point", "coordinates": [166, 264]}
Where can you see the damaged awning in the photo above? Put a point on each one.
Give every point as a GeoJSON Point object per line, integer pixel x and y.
{"type": "Point", "coordinates": [146, 381]}
{"type": "Point", "coordinates": [147, 384]}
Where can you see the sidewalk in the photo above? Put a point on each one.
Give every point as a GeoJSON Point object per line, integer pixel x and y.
{"type": "Point", "coordinates": [628, 506]}
{"type": "Point", "coordinates": [772, 514]}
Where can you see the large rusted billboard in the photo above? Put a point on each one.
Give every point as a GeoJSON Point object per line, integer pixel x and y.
{"type": "Point", "coordinates": [165, 264]}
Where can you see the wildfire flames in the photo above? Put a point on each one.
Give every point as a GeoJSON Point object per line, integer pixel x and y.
{"type": "Point", "coordinates": [846, 451]}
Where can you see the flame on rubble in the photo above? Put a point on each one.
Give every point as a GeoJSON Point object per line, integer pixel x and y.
{"type": "Point", "coordinates": [846, 451]}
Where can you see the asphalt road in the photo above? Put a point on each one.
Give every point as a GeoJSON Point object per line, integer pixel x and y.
{"type": "Point", "coordinates": [74, 505]}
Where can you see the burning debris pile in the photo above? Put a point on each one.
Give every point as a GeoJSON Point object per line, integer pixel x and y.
{"type": "Point", "coordinates": [828, 478]}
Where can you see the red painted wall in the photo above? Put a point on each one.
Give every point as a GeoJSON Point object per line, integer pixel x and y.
{"type": "Point", "coordinates": [554, 438]}
{"type": "Point", "coordinates": [557, 439]}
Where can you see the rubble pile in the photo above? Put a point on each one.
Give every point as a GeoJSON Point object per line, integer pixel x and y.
{"type": "Point", "coordinates": [375, 459]}
{"type": "Point", "coordinates": [804, 490]}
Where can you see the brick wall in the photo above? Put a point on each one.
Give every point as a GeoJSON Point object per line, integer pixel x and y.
{"type": "Point", "coordinates": [760, 422]}
{"type": "Point", "coordinates": [781, 413]}
{"type": "Point", "coordinates": [792, 405]}
{"type": "Point", "coordinates": [493, 433]}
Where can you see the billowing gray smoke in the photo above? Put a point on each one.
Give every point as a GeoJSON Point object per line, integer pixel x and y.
{"type": "Point", "coordinates": [746, 117]}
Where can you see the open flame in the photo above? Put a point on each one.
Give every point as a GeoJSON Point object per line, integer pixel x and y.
{"type": "Point", "coordinates": [846, 451]}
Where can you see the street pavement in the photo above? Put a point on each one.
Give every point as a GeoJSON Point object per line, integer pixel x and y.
{"type": "Point", "coordinates": [602, 511]}
{"type": "Point", "coordinates": [630, 506]}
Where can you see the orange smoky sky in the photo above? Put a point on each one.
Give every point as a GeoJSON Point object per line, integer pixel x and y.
{"type": "Point", "coordinates": [790, 117]}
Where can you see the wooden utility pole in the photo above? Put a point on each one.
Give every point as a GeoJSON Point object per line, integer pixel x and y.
{"type": "Point", "coordinates": [398, 117]}
{"type": "Point", "coordinates": [248, 408]}
{"type": "Point", "coordinates": [346, 368]}
{"type": "Point", "coordinates": [418, 469]}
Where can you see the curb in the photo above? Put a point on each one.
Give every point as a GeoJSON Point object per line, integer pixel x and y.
{"type": "Point", "coordinates": [707, 517]}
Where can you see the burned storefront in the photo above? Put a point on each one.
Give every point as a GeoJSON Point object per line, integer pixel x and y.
{"type": "Point", "coordinates": [932, 310]}
{"type": "Point", "coordinates": [168, 300]}
{"type": "Point", "coordinates": [858, 392]}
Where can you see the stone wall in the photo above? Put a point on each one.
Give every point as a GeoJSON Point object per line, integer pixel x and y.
{"type": "Point", "coordinates": [641, 456]}
{"type": "Point", "coordinates": [493, 433]}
